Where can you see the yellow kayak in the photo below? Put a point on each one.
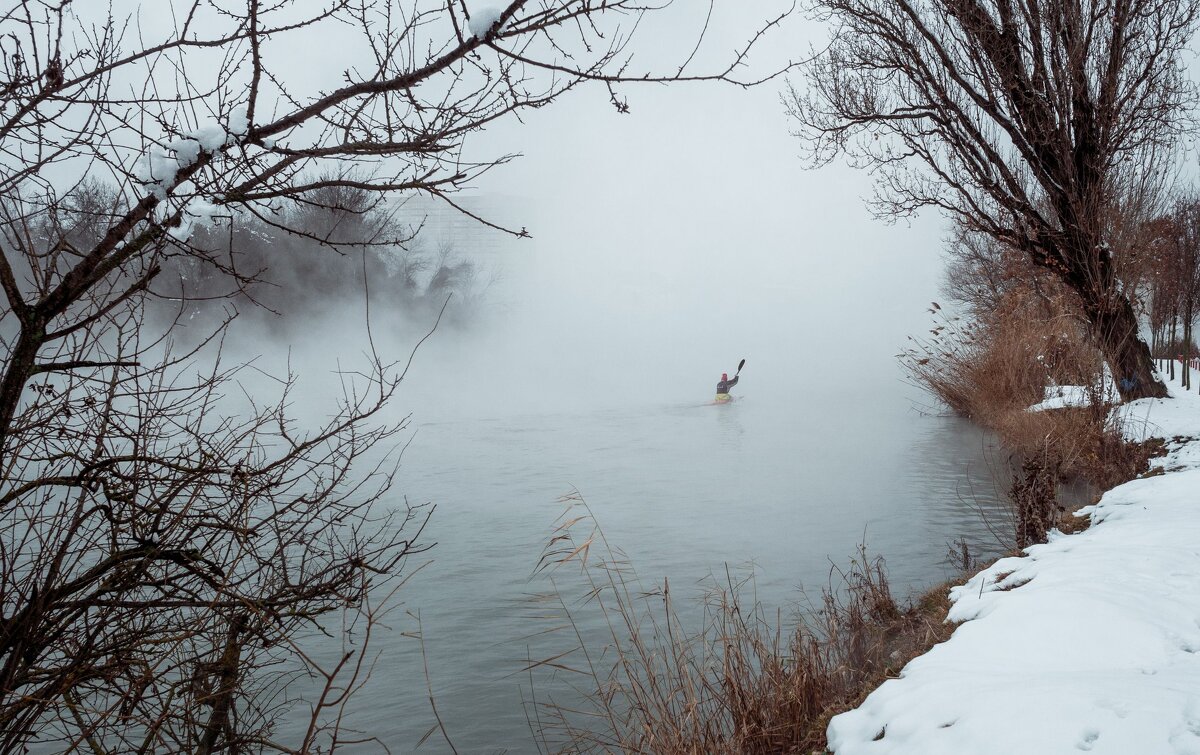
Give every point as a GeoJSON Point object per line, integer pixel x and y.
{"type": "Point", "coordinates": [723, 398]}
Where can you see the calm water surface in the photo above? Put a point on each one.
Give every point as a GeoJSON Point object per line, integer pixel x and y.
{"type": "Point", "coordinates": [683, 490]}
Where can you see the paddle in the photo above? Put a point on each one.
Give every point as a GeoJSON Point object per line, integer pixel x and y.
{"type": "Point", "coordinates": [741, 364]}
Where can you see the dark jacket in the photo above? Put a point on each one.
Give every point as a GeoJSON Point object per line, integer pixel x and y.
{"type": "Point", "coordinates": [723, 386]}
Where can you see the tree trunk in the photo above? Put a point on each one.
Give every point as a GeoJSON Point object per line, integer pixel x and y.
{"type": "Point", "coordinates": [16, 373]}
{"type": "Point", "coordinates": [1116, 331]}
{"type": "Point", "coordinates": [222, 699]}
{"type": "Point", "coordinates": [1087, 268]}
{"type": "Point", "coordinates": [1187, 349]}
{"type": "Point", "coordinates": [1171, 351]}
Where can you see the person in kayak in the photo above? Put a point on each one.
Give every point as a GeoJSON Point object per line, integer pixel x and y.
{"type": "Point", "coordinates": [724, 385]}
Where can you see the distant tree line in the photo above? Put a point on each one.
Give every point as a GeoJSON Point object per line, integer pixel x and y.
{"type": "Point", "coordinates": [1169, 270]}
{"type": "Point", "coordinates": [302, 259]}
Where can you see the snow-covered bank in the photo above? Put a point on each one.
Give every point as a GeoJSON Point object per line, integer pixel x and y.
{"type": "Point", "coordinates": [1090, 642]}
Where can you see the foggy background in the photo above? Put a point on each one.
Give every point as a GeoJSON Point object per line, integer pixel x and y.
{"type": "Point", "coordinates": [665, 245]}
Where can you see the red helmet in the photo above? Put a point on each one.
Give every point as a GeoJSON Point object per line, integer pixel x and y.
{"type": "Point", "coordinates": [724, 375]}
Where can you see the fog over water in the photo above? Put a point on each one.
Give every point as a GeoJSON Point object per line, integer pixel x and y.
{"type": "Point", "coordinates": [666, 245]}
{"type": "Point", "coordinates": [590, 364]}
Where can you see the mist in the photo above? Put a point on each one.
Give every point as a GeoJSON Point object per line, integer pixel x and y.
{"type": "Point", "coordinates": [665, 244]}
{"type": "Point", "coordinates": [646, 292]}
{"type": "Point", "coordinates": [560, 299]}
{"type": "Point", "coordinates": [657, 259]}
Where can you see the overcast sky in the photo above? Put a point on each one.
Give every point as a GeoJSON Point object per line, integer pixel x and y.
{"type": "Point", "coordinates": [672, 241]}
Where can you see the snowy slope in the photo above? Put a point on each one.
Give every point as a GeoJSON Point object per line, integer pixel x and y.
{"type": "Point", "coordinates": [1090, 643]}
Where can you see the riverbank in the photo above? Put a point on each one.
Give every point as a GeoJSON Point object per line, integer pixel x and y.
{"type": "Point", "coordinates": [1090, 642]}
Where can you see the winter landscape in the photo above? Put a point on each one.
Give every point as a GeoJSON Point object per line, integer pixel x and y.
{"type": "Point", "coordinates": [599, 376]}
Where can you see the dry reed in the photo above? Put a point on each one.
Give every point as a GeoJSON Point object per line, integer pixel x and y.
{"type": "Point", "coordinates": [993, 369]}
{"type": "Point", "coordinates": [743, 680]}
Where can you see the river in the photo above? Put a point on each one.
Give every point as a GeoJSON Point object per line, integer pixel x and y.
{"type": "Point", "coordinates": [684, 489]}
{"type": "Point", "coordinates": [590, 367]}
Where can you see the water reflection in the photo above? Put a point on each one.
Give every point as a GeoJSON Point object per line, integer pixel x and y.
{"type": "Point", "coordinates": [683, 490]}
{"type": "Point", "coordinates": [974, 479]}
{"type": "Point", "coordinates": [729, 419]}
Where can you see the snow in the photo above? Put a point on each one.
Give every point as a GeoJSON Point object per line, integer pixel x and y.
{"type": "Point", "coordinates": [482, 21]}
{"type": "Point", "coordinates": [197, 212]}
{"type": "Point", "coordinates": [1089, 643]}
{"type": "Point", "coordinates": [157, 169]}
{"type": "Point", "coordinates": [187, 151]}
{"type": "Point", "coordinates": [239, 122]}
{"type": "Point", "coordinates": [160, 165]}
{"type": "Point", "coordinates": [1063, 396]}
{"type": "Point", "coordinates": [211, 136]}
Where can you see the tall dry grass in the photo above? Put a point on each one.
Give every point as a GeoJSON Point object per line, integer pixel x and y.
{"type": "Point", "coordinates": [993, 369]}
{"type": "Point", "coordinates": [1003, 359]}
{"type": "Point", "coordinates": [738, 679]}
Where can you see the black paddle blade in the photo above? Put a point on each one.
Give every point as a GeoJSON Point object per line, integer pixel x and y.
{"type": "Point", "coordinates": [741, 364]}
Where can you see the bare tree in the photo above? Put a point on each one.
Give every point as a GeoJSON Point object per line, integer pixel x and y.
{"type": "Point", "coordinates": [981, 271]}
{"type": "Point", "coordinates": [1187, 256]}
{"type": "Point", "coordinates": [163, 545]}
{"type": "Point", "coordinates": [1173, 280]}
{"type": "Point", "coordinates": [1026, 120]}
{"type": "Point", "coordinates": [1156, 287]}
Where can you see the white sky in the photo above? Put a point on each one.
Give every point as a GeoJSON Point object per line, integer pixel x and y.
{"type": "Point", "coordinates": [673, 241]}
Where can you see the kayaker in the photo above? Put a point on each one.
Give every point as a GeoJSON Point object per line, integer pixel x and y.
{"type": "Point", "coordinates": [724, 385]}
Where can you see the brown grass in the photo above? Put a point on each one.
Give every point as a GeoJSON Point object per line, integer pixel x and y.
{"type": "Point", "coordinates": [993, 369]}
{"type": "Point", "coordinates": [980, 368]}
{"type": "Point", "coordinates": [991, 372]}
{"type": "Point", "coordinates": [746, 681]}
{"type": "Point", "coordinates": [1074, 443]}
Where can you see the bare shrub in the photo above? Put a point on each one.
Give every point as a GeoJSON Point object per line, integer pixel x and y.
{"type": "Point", "coordinates": [960, 557]}
{"type": "Point", "coordinates": [1023, 338]}
{"type": "Point", "coordinates": [1033, 495]}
